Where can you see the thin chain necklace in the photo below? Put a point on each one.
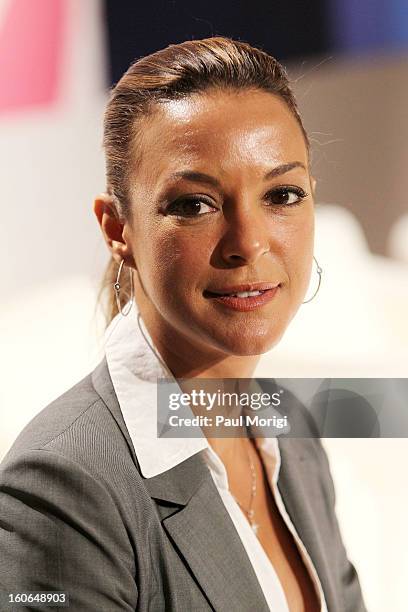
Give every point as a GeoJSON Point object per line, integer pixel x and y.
{"type": "Point", "coordinates": [250, 512]}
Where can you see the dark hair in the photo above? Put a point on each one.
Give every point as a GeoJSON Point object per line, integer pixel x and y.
{"type": "Point", "coordinates": [173, 73]}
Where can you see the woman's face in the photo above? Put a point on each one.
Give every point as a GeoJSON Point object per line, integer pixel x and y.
{"type": "Point", "coordinates": [221, 200]}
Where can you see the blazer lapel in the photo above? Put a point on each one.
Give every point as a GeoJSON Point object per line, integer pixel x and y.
{"type": "Point", "coordinates": [304, 506]}
{"type": "Point", "coordinates": [203, 532]}
{"type": "Point", "coordinates": [298, 485]}
{"type": "Point", "coordinates": [103, 385]}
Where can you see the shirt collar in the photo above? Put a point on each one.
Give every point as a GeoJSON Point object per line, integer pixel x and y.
{"type": "Point", "coordinates": [135, 365]}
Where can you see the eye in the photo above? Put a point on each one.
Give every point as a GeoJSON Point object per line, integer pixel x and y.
{"type": "Point", "coordinates": [190, 207]}
{"type": "Point", "coordinates": [286, 196]}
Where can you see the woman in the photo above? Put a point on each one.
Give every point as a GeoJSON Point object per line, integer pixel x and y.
{"type": "Point", "coordinates": [208, 215]}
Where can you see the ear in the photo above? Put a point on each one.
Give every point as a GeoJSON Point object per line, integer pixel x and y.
{"type": "Point", "coordinates": [113, 228]}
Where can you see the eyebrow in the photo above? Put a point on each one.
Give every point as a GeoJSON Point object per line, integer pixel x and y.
{"type": "Point", "coordinates": [201, 177]}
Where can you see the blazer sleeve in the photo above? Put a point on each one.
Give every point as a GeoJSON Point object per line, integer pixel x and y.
{"type": "Point", "coordinates": [347, 575]}
{"type": "Point", "coordinates": [60, 530]}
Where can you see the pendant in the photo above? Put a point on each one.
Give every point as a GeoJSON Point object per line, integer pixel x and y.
{"type": "Point", "coordinates": [255, 528]}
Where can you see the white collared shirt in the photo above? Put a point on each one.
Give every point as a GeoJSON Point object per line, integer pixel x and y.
{"type": "Point", "coordinates": [134, 366]}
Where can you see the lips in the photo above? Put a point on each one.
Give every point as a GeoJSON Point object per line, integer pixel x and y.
{"type": "Point", "coordinates": [241, 290]}
{"type": "Point", "coordinates": [243, 297]}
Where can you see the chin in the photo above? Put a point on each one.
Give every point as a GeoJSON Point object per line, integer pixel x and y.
{"type": "Point", "coordinates": [250, 344]}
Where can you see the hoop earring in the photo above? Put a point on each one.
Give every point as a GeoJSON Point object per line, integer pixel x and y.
{"type": "Point", "coordinates": [117, 289]}
{"type": "Point", "coordinates": [319, 272]}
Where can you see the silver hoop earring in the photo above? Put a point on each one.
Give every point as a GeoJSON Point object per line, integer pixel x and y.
{"type": "Point", "coordinates": [117, 289]}
{"type": "Point", "coordinates": [319, 272]}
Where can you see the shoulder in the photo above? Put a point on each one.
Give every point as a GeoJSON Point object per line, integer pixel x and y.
{"type": "Point", "coordinates": [78, 428]}
{"type": "Point", "coordinates": [74, 455]}
{"type": "Point", "coordinates": [66, 489]}
{"type": "Point", "coordinates": [57, 417]}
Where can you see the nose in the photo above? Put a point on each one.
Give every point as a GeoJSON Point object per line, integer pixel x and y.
{"type": "Point", "coordinates": [246, 238]}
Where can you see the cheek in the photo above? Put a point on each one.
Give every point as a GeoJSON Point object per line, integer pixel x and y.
{"type": "Point", "coordinates": [176, 263]}
{"type": "Point", "coordinates": [295, 240]}
{"type": "Point", "coordinates": [300, 252]}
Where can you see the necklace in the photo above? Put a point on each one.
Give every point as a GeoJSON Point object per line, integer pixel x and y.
{"type": "Point", "coordinates": [250, 512]}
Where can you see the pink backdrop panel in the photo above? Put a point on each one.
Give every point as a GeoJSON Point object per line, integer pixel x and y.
{"type": "Point", "coordinates": [30, 53]}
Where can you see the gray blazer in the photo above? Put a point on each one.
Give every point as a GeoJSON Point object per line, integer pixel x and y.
{"type": "Point", "coordinates": [77, 516]}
